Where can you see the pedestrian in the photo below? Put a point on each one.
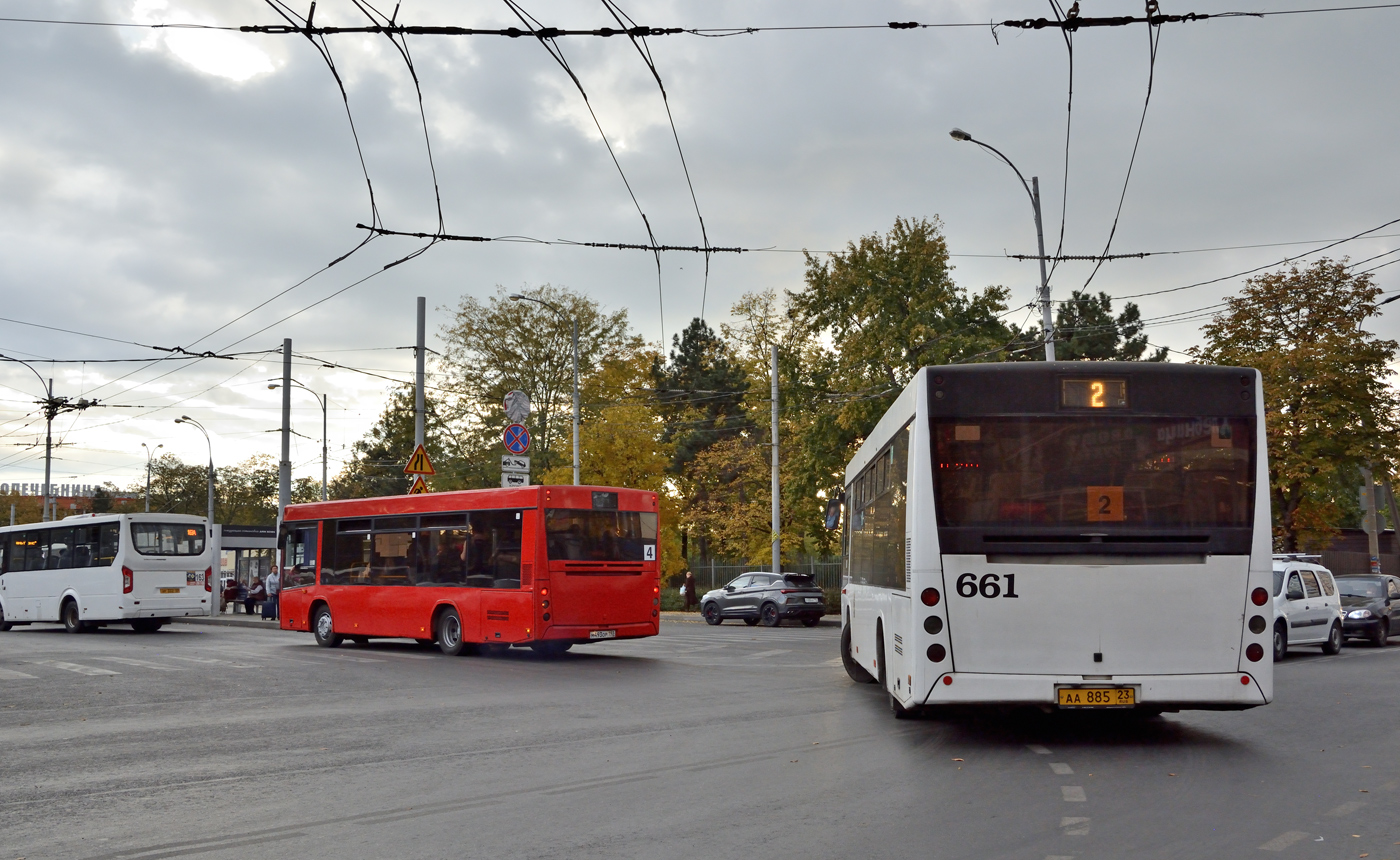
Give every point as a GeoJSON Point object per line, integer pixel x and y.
{"type": "Point", "coordinates": [688, 589]}
{"type": "Point", "coordinates": [230, 595]}
{"type": "Point", "coordinates": [274, 594]}
{"type": "Point", "coordinates": [257, 593]}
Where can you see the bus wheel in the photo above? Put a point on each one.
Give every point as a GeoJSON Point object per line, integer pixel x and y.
{"type": "Point", "coordinates": [854, 669]}
{"type": "Point", "coordinates": [323, 628]}
{"type": "Point", "coordinates": [1333, 645]}
{"type": "Point", "coordinates": [72, 622]}
{"type": "Point", "coordinates": [770, 615]}
{"type": "Point", "coordinates": [1280, 642]}
{"type": "Point", "coordinates": [449, 633]}
{"type": "Point", "coordinates": [712, 614]}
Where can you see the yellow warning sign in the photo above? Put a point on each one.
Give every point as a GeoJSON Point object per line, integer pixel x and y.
{"type": "Point", "coordinates": [418, 486]}
{"type": "Point", "coordinates": [419, 464]}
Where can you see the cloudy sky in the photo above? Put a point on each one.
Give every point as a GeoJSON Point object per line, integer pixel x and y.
{"type": "Point", "coordinates": [157, 185]}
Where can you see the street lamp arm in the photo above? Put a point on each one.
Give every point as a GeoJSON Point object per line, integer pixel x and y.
{"type": "Point", "coordinates": [36, 373]}
{"type": "Point", "coordinates": [998, 153]}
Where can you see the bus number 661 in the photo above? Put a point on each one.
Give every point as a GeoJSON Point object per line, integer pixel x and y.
{"type": "Point", "coordinates": [988, 586]}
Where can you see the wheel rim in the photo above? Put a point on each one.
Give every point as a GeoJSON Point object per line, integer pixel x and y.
{"type": "Point", "coordinates": [451, 631]}
{"type": "Point", "coordinates": [711, 611]}
{"type": "Point", "coordinates": [324, 627]}
{"type": "Point", "coordinates": [770, 612]}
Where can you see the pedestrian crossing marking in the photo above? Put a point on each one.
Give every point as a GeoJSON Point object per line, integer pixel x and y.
{"type": "Point", "coordinates": [127, 661]}
{"type": "Point", "coordinates": [12, 675]}
{"type": "Point", "coordinates": [74, 667]}
{"type": "Point", "coordinates": [212, 661]}
{"type": "Point", "coordinates": [772, 653]}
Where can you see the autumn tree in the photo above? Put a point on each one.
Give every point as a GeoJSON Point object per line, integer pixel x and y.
{"type": "Point", "coordinates": [377, 460]}
{"type": "Point", "coordinates": [1328, 408]}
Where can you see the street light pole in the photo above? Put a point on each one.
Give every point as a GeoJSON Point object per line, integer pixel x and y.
{"type": "Point", "coordinates": [573, 323]}
{"type": "Point", "coordinates": [321, 399]}
{"type": "Point", "coordinates": [1032, 191]}
{"type": "Point", "coordinates": [185, 419]}
{"type": "Point", "coordinates": [150, 452]}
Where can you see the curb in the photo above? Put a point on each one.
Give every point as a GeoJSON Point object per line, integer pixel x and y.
{"type": "Point", "coordinates": [260, 624]}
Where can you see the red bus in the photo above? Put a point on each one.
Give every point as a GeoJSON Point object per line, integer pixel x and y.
{"type": "Point", "coordinates": [543, 566]}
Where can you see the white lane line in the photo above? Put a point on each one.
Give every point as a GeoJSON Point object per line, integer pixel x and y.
{"type": "Point", "coordinates": [699, 648]}
{"type": "Point", "coordinates": [347, 658]}
{"type": "Point", "coordinates": [1073, 793]}
{"type": "Point", "coordinates": [1037, 749]}
{"type": "Point", "coordinates": [211, 661]}
{"type": "Point", "coordinates": [127, 661]}
{"type": "Point", "coordinates": [1074, 826]}
{"type": "Point", "coordinates": [12, 675]}
{"type": "Point", "coordinates": [1346, 808]}
{"type": "Point", "coordinates": [834, 661]}
{"type": "Point", "coordinates": [1059, 857]}
{"type": "Point", "coordinates": [772, 653]}
{"type": "Point", "coordinates": [74, 667]}
{"type": "Point", "coordinates": [1060, 768]}
{"type": "Point", "coordinates": [1283, 840]}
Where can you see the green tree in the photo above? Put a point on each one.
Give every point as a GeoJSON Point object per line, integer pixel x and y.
{"type": "Point", "coordinates": [1085, 328]}
{"type": "Point", "coordinates": [699, 392]}
{"type": "Point", "coordinates": [1328, 408]}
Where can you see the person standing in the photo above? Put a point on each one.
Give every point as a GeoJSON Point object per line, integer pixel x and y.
{"type": "Point", "coordinates": [274, 592]}
{"type": "Point", "coordinates": [692, 599]}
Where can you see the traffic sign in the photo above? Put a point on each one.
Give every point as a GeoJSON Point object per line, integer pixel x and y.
{"type": "Point", "coordinates": [514, 463]}
{"type": "Point", "coordinates": [515, 479]}
{"type": "Point", "coordinates": [418, 487]}
{"type": "Point", "coordinates": [516, 439]}
{"type": "Point", "coordinates": [419, 464]}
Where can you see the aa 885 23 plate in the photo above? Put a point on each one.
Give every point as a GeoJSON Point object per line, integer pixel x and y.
{"type": "Point", "coordinates": [1096, 697]}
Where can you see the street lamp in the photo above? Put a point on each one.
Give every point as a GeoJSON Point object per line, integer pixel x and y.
{"type": "Point", "coordinates": [50, 410]}
{"type": "Point", "coordinates": [1033, 191]}
{"type": "Point", "coordinates": [185, 419]}
{"type": "Point", "coordinates": [573, 322]}
{"type": "Point", "coordinates": [150, 452]}
{"type": "Point", "coordinates": [322, 399]}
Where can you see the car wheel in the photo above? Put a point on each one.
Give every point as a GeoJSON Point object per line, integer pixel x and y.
{"type": "Point", "coordinates": [1381, 639]}
{"type": "Point", "coordinates": [770, 615]}
{"type": "Point", "coordinates": [853, 668]}
{"type": "Point", "coordinates": [751, 621]}
{"type": "Point", "coordinates": [1333, 645]}
{"type": "Point", "coordinates": [72, 621]}
{"type": "Point", "coordinates": [712, 614]}
{"type": "Point", "coordinates": [811, 622]}
{"type": "Point", "coordinates": [449, 633]}
{"type": "Point", "coordinates": [323, 628]}
{"type": "Point", "coordinates": [1280, 642]}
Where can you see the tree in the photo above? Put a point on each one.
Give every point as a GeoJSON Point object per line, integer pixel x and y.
{"type": "Point", "coordinates": [699, 392]}
{"type": "Point", "coordinates": [377, 460]}
{"type": "Point", "coordinates": [1085, 328]}
{"type": "Point", "coordinates": [1328, 409]}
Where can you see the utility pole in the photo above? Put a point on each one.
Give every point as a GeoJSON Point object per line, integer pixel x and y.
{"type": "Point", "coordinates": [418, 355]}
{"type": "Point", "coordinates": [150, 452]}
{"type": "Point", "coordinates": [53, 407]}
{"type": "Point", "coordinates": [1368, 498]}
{"type": "Point", "coordinates": [325, 400]}
{"type": "Point", "coordinates": [777, 543]}
{"type": "Point", "coordinates": [284, 467]}
{"type": "Point", "coordinates": [574, 321]}
{"type": "Point", "coordinates": [49, 411]}
{"type": "Point", "coordinates": [1046, 323]}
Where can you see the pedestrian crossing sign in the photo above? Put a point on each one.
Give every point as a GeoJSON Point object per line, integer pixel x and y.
{"type": "Point", "coordinates": [419, 464]}
{"type": "Point", "coordinates": [418, 487]}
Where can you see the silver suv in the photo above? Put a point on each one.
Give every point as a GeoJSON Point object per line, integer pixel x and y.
{"type": "Point", "coordinates": [766, 597]}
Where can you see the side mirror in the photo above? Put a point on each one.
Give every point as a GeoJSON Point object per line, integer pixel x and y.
{"type": "Point", "coordinates": [833, 512]}
{"type": "Point", "coordinates": [729, 588]}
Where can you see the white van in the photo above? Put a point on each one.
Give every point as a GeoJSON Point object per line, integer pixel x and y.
{"type": "Point", "coordinates": [1307, 607]}
{"type": "Point", "coordinates": [89, 570]}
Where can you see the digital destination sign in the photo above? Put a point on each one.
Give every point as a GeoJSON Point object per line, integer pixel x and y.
{"type": "Point", "coordinates": [1094, 393]}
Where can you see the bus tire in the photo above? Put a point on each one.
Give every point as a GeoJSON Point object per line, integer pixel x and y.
{"type": "Point", "coordinates": [854, 669]}
{"type": "Point", "coordinates": [770, 615]}
{"type": "Point", "coordinates": [1333, 645]}
{"type": "Point", "coordinates": [1280, 642]}
{"type": "Point", "coordinates": [323, 628]}
{"type": "Point", "coordinates": [72, 622]}
{"type": "Point", "coordinates": [449, 632]}
{"type": "Point", "coordinates": [712, 614]}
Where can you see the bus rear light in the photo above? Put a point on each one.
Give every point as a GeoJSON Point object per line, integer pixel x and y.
{"type": "Point", "coordinates": [1257, 624]}
{"type": "Point", "coordinates": [933, 625]}
{"type": "Point", "coordinates": [1244, 679]}
{"type": "Point", "coordinates": [1254, 652]}
{"type": "Point", "coordinates": [929, 596]}
{"type": "Point", "coordinates": [947, 680]}
{"type": "Point", "coordinates": [936, 653]}
{"type": "Point", "coordinates": [127, 580]}
{"type": "Point", "coordinates": [1259, 597]}
{"type": "Point", "coordinates": [544, 592]}
{"type": "Point", "coordinates": [209, 579]}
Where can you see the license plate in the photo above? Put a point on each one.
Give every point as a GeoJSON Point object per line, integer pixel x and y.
{"type": "Point", "coordinates": [602, 634]}
{"type": "Point", "coordinates": [1096, 697]}
{"type": "Point", "coordinates": [813, 600]}
{"type": "Point", "coordinates": [170, 591]}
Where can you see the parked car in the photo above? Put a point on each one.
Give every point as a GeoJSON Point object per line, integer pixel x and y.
{"type": "Point", "coordinates": [766, 597]}
{"type": "Point", "coordinates": [1370, 606]}
{"type": "Point", "coordinates": [1307, 607]}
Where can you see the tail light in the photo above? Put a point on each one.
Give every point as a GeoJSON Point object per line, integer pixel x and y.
{"type": "Point", "coordinates": [929, 596]}
{"type": "Point", "coordinates": [1259, 597]}
{"type": "Point", "coordinates": [209, 579]}
{"type": "Point", "coordinates": [127, 580]}
{"type": "Point", "coordinates": [1255, 652]}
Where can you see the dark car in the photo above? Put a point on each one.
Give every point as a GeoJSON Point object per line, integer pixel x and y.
{"type": "Point", "coordinates": [1370, 607]}
{"type": "Point", "coordinates": [766, 597]}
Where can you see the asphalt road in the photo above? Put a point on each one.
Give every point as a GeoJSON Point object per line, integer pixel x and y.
{"type": "Point", "coordinates": [221, 742]}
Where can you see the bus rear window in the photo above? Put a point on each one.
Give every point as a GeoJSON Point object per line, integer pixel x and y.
{"type": "Point", "coordinates": [168, 538]}
{"type": "Point", "coordinates": [587, 535]}
{"type": "Point", "coordinates": [1169, 472]}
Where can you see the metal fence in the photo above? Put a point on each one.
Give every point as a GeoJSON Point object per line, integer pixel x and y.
{"type": "Point", "coordinates": [714, 573]}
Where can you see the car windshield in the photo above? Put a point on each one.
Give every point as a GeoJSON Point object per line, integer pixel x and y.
{"type": "Point", "coordinates": [1360, 587]}
{"type": "Point", "coordinates": [168, 538]}
{"type": "Point", "coordinates": [800, 580]}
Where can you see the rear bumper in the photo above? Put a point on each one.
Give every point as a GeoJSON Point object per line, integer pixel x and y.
{"type": "Point", "coordinates": [163, 609]}
{"type": "Point", "coordinates": [1196, 692]}
{"type": "Point", "coordinates": [800, 610]}
{"type": "Point", "coordinates": [582, 633]}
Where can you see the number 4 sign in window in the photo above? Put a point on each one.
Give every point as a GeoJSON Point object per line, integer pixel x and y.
{"type": "Point", "coordinates": [649, 552]}
{"type": "Point", "coordinates": [1105, 505]}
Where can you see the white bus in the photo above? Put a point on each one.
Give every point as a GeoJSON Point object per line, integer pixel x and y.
{"type": "Point", "coordinates": [91, 570]}
{"type": "Point", "coordinates": [1063, 535]}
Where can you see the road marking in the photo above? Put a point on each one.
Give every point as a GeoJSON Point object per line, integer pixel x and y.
{"type": "Point", "coordinates": [1059, 857]}
{"type": "Point", "coordinates": [1073, 793]}
{"type": "Point", "coordinates": [834, 661]}
{"type": "Point", "coordinates": [1037, 749]}
{"type": "Point", "coordinates": [699, 648]}
{"type": "Point", "coordinates": [1283, 840]}
{"type": "Point", "coordinates": [12, 675]}
{"type": "Point", "coordinates": [127, 661]}
{"type": "Point", "coordinates": [347, 658]}
{"type": "Point", "coordinates": [1060, 768]}
{"type": "Point", "coordinates": [75, 667]}
{"type": "Point", "coordinates": [773, 653]}
{"type": "Point", "coordinates": [1347, 808]}
{"type": "Point", "coordinates": [212, 661]}
{"type": "Point", "coordinates": [1074, 826]}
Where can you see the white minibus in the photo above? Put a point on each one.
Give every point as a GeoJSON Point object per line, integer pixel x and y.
{"type": "Point", "coordinates": [91, 570]}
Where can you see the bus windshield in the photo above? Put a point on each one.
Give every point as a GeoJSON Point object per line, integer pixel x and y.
{"type": "Point", "coordinates": [168, 538]}
{"type": "Point", "coordinates": [588, 535]}
{"type": "Point", "coordinates": [1168, 472]}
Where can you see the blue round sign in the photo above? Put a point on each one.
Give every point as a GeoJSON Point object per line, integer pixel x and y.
{"type": "Point", "coordinates": [517, 439]}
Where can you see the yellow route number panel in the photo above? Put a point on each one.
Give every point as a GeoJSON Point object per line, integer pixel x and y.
{"type": "Point", "coordinates": [1105, 505]}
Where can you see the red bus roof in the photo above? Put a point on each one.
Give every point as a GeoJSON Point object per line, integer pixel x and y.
{"type": "Point", "coordinates": [551, 496]}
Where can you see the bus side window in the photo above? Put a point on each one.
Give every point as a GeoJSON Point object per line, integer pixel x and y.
{"type": "Point", "coordinates": [107, 543]}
